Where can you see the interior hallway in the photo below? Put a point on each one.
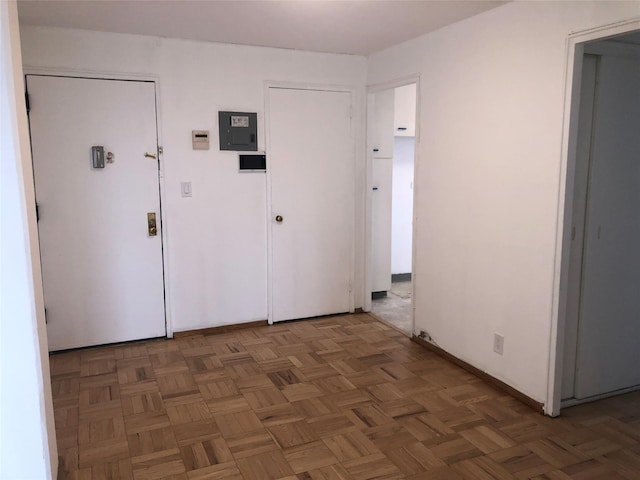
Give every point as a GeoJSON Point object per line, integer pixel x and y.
{"type": "Point", "coordinates": [334, 398]}
{"type": "Point", "coordinates": [395, 308]}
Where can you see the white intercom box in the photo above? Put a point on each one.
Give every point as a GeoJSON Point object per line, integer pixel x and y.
{"type": "Point", "coordinates": [200, 139]}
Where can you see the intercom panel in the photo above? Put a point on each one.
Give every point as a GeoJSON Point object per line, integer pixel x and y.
{"type": "Point", "coordinates": [200, 139]}
{"type": "Point", "coordinates": [253, 162]}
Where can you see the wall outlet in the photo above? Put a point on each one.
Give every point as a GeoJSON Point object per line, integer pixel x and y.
{"type": "Point", "coordinates": [498, 343]}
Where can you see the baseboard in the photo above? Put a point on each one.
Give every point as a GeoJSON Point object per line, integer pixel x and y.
{"type": "Point", "coordinates": [499, 384]}
{"type": "Point", "coordinates": [220, 329]}
{"type": "Point", "coordinates": [400, 277]}
{"type": "Point", "coordinates": [572, 402]}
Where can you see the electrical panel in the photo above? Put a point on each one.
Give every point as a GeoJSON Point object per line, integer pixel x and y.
{"type": "Point", "coordinates": [238, 131]}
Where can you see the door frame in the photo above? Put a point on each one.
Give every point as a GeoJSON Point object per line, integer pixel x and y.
{"type": "Point", "coordinates": [267, 109]}
{"type": "Point", "coordinates": [575, 49]}
{"type": "Point", "coordinates": [162, 192]}
{"type": "Point", "coordinates": [368, 210]}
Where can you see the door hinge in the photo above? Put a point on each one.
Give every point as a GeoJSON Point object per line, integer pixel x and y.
{"type": "Point", "coordinates": [46, 318]}
{"type": "Point", "coordinates": [27, 102]}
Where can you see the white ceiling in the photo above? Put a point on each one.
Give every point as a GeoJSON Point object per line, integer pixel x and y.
{"type": "Point", "coordinates": [355, 27]}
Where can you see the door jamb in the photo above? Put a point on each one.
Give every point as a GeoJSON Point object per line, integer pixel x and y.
{"type": "Point", "coordinates": [368, 271]}
{"type": "Point", "coordinates": [267, 109]}
{"type": "Point", "coordinates": [98, 75]}
{"type": "Point", "coordinates": [572, 76]}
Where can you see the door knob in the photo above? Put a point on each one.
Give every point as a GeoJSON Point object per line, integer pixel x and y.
{"type": "Point", "coordinates": [279, 218]}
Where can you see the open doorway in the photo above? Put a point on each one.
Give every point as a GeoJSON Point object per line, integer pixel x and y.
{"type": "Point", "coordinates": [392, 142]}
{"type": "Point", "coordinates": [601, 261]}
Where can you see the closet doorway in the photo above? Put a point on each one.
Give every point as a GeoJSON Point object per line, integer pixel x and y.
{"type": "Point", "coordinates": [602, 332]}
{"type": "Point", "coordinates": [392, 149]}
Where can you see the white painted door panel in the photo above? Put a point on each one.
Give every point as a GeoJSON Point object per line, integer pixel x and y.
{"type": "Point", "coordinates": [312, 188]}
{"type": "Point", "coordinates": [609, 331]}
{"type": "Point", "coordinates": [381, 206]}
{"type": "Point", "coordinates": [404, 117]}
{"type": "Point", "coordinates": [583, 154]}
{"type": "Point", "coordinates": [102, 273]}
{"type": "Point", "coordinates": [384, 105]}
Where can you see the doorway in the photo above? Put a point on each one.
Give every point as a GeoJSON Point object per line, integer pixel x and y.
{"type": "Point", "coordinates": [392, 146]}
{"type": "Point", "coordinates": [602, 332]}
{"type": "Point", "coordinates": [96, 170]}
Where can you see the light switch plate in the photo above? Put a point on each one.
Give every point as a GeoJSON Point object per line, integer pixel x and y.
{"type": "Point", "coordinates": [185, 188]}
{"type": "Point", "coordinates": [498, 343]}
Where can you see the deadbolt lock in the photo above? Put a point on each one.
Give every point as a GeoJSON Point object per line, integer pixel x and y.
{"type": "Point", "coordinates": [152, 229]}
{"type": "Point", "coordinates": [279, 218]}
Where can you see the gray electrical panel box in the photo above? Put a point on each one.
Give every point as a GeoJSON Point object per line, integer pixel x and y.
{"type": "Point", "coordinates": [238, 131]}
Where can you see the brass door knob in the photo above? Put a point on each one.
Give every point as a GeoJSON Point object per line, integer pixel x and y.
{"type": "Point", "coordinates": [279, 218]}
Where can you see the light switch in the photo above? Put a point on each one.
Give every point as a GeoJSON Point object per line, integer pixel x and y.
{"type": "Point", "coordinates": [185, 188]}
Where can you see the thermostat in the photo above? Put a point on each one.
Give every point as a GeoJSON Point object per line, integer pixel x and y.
{"type": "Point", "coordinates": [238, 131]}
{"type": "Point", "coordinates": [200, 139]}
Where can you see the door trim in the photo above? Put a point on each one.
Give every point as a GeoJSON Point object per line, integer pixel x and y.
{"type": "Point", "coordinates": [368, 203]}
{"type": "Point", "coordinates": [96, 75]}
{"type": "Point", "coordinates": [268, 84]}
{"type": "Point", "coordinates": [572, 78]}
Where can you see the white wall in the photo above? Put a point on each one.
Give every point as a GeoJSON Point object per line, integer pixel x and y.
{"type": "Point", "coordinates": [217, 239]}
{"type": "Point", "coordinates": [402, 204]}
{"type": "Point", "coordinates": [489, 178]}
{"type": "Point", "coordinates": [27, 430]}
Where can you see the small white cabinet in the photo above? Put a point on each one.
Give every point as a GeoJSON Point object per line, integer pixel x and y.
{"type": "Point", "coordinates": [384, 106]}
{"type": "Point", "coordinates": [404, 124]}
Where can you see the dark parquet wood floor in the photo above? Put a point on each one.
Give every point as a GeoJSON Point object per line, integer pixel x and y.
{"type": "Point", "coordinates": [328, 399]}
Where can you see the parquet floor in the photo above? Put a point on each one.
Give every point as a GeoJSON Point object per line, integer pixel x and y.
{"type": "Point", "coordinates": [328, 399]}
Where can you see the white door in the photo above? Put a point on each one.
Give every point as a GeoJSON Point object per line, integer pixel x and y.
{"type": "Point", "coordinates": [381, 210]}
{"type": "Point", "coordinates": [583, 159]}
{"type": "Point", "coordinates": [311, 164]}
{"type": "Point", "coordinates": [609, 330]}
{"type": "Point", "coordinates": [382, 118]}
{"type": "Point", "coordinates": [102, 271]}
{"type": "Point", "coordinates": [383, 123]}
